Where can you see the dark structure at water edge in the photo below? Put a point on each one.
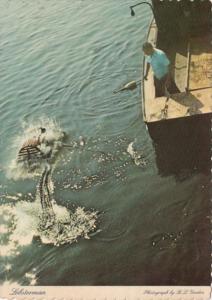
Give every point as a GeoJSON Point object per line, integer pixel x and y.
{"type": "Point", "coordinates": [180, 123]}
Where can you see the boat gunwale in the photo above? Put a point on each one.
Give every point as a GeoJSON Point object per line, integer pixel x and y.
{"type": "Point", "coordinates": [152, 21]}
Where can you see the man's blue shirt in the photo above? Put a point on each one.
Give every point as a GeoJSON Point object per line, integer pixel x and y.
{"type": "Point", "coordinates": [159, 62]}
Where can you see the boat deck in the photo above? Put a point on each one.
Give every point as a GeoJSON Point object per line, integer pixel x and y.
{"type": "Point", "coordinates": [192, 70]}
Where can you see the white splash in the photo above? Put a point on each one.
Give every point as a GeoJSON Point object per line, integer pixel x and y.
{"type": "Point", "coordinates": [65, 227]}
{"type": "Point", "coordinates": [137, 156]}
{"type": "Point", "coordinates": [54, 135]}
{"type": "Point", "coordinates": [31, 278]}
{"type": "Point", "coordinates": [26, 220]}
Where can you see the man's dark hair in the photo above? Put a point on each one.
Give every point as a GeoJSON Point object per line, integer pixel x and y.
{"type": "Point", "coordinates": [147, 45]}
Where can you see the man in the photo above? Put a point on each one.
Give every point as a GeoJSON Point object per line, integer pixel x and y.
{"type": "Point", "coordinates": [161, 68]}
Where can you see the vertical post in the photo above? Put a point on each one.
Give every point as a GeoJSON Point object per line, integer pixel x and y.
{"type": "Point", "coordinates": [188, 66]}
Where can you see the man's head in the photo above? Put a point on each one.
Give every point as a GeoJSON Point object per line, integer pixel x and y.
{"type": "Point", "coordinates": [148, 48]}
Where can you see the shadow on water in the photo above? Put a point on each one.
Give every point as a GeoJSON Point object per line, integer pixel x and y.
{"type": "Point", "coordinates": [182, 146]}
{"type": "Point", "coordinates": [183, 150]}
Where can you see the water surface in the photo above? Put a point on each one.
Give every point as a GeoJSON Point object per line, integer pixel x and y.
{"type": "Point", "coordinates": [61, 61]}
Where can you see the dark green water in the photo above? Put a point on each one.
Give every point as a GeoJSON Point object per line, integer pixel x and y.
{"type": "Point", "coordinates": [153, 222]}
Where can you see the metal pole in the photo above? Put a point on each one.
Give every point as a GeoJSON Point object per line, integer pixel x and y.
{"type": "Point", "coordinates": [150, 5]}
{"type": "Point", "coordinates": [188, 67]}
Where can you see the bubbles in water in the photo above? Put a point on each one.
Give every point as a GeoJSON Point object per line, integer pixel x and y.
{"type": "Point", "coordinates": [101, 160]}
{"type": "Point", "coordinates": [65, 227]}
{"type": "Point", "coordinates": [167, 240]}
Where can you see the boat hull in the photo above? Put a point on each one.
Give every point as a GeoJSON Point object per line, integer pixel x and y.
{"type": "Point", "coordinates": [182, 145]}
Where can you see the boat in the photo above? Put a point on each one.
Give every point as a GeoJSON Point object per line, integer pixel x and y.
{"type": "Point", "coordinates": [180, 124]}
{"type": "Point", "coordinates": [182, 29]}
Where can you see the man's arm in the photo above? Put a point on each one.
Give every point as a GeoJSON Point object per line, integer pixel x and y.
{"type": "Point", "coordinates": [147, 70]}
